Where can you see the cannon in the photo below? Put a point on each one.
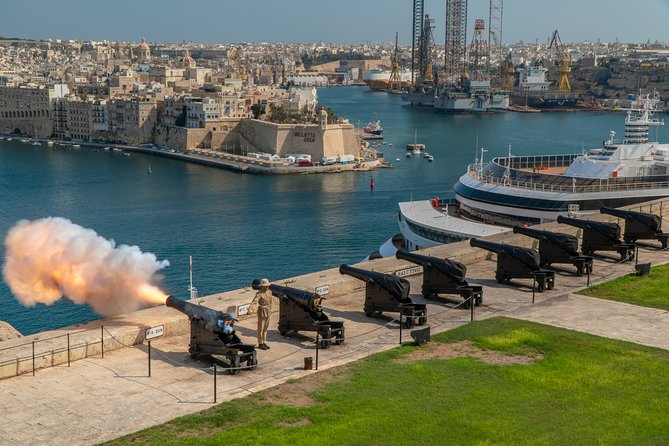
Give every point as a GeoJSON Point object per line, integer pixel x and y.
{"type": "Point", "coordinates": [515, 262]}
{"type": "Point", "coordinates": [600, 236]}
{"type": "Point", "coordinates": [640, 226]}
{"type": "Point", "coordinates": [555, 247]}
{"type": "Point", "coordinates": [443, 276]}
{"type": "Point", "coordinates": [388, 293]}
{"type": "Point", "coordinates": [302, 311]}
{"type": "Point", "coordinates": [207, 338]}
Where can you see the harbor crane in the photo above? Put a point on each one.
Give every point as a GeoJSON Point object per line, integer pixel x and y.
{"type": "Point", "coordinates": [563, 77]}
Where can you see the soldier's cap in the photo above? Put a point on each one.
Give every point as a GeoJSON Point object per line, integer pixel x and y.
{"type": "Point", "coordinates": [264, 282]}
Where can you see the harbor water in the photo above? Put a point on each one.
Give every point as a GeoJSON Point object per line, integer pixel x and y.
{"type": "Point", "coordinates": [241, 227]}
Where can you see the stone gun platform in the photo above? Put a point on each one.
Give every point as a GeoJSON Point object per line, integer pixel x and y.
{"type": "Point", "coordinates": [96, 399]}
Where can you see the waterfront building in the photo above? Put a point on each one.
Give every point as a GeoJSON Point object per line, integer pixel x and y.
{"type": "Point", "coordinates": [132, 120]}
{"type": "Point", "coordinates": [29, 108]}
{"type": "Point", "coordinates": [199, 111]}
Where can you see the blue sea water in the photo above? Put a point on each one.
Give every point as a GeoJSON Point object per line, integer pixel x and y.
{"type": "Point", "coordinates": [240, 227]}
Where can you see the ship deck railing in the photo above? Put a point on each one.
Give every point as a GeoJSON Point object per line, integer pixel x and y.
{"type": "Point", "coordinates": [496, 173]}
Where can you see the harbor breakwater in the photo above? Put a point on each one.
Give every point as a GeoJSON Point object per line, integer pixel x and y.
{"type": "Point", "coordinates": [91, 339]}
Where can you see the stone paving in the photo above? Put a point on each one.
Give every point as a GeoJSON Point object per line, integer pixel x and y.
{"type": "Point", "coordinates": [98, 399]}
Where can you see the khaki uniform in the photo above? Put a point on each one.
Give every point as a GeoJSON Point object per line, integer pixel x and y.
{"type": "Point", "coordinates": [262, 304]}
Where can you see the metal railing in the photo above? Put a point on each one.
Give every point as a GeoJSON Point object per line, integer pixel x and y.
{"type": "Point", "coordinates": [544, 182]}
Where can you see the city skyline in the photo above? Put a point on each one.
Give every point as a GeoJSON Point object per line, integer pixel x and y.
{"type": "Point", "coordinates": [299, 21]}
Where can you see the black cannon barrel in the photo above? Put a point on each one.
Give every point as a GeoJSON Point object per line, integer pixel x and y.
{"type": "Point", "coordinates": [609, 230]}
{"type": "Point", "coordinates": [534, 233]}
{"type": "Point", "coordinates": [308, 300]}
{"type": "Point", "coordinates": [527, 256]}
{"type": "Point", "coordinates": [208, 316]}
{"type": "Point", "coordinates": [652, 221]}
{"type": "Point", "coordinates": [488, 245]}
{"type": "Point", "coordinates": [577, 222]}
{"type": "Point", "coordinates": [397, 286]}
{"type": "Point", "coordinates": [567, 242]}
{"type": "Point", "coordinates": [450, 267]}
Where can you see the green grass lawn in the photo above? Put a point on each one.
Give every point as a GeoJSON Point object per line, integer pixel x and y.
{"type": "Point", "coordinates": [648, 291]}
{"type": "Point", "coordinates": [579, 390]}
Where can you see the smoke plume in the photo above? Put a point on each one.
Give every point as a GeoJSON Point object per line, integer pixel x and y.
{"type": "Point", "coordinates": [51, 258]}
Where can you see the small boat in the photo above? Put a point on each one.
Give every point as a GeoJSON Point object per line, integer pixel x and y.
{"type": "Point", "coordinates": [76, 146]}
{"type": "Point", "coordinates": [427, 155]}
{"type": "Point", "coordinates": [149, 169]}
{"type": "Point", "coordinates": [37, 143]}
{"type": "Point", "coordinates": [374, 128]}
{"type": "Point", "coordinates": [390, 144]}
{"type": "Point", "coordinates": [116, 149]}
{"type": "Point", "coordinates": [106, 149]}
{"type": "Point", "coordinates": [49, 143]}
{"type": "Point", "coordinates": [397, 159]}
{"type": "Point", "coordinates": [126, 154]}
{"type": "Point", "coordinates": [416, 151]}
{"type": "Point", "coordinates": [430, 158]}
{"type": "Point", "coordinates": [384, 143]}
{"type": "Point", "coordinates": [408, 154]}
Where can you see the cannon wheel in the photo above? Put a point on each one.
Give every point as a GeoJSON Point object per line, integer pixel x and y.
{"type": "Point", "coordinates": [234, 365]}
{"type": "Point", "coordinates": [409, 322]}
{"type": "Point", "coordinates": [541, 287]}
{"type": "Point", "coordinates": [422, 320]}
{"type": "Point", "coordinates": [326, 343]}
{"type": "Point", "coordinates": [252, 363]}
{"type": "Point", "coordinates": [550, 285]}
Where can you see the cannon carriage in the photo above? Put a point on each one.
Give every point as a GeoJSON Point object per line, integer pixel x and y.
{"type": "Point", "coordinates": [600, 236]}
{"type": "Point", "coordinates": [387, 293]}
{"type": "Point", "coordinates": [640, 226]}
{"type": "Point", "coordinates": [207, 338]}
{"type": "Point", "coordinates": [301, 310]}
{"type": "Point", "coordinates": [444, 276]}
{"type": "Point", "coordinates": [555, 247]}
{"type": "Point", "coordinates": [515, 262]}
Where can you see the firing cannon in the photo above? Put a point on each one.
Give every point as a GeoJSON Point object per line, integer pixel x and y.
{"type": "Point", "coordinates": [600, 236]}
{"type": "Point", "coordinates": [515, 262]}
{"type": "Point", "coordinates": [388, 293]}
{"type": "Point", "coordinates": [555, 247]}
{"type": "Point", "coordinates": [208, 338]}
{"type": "Point", "coordinates": [640, 226]}
{"type": "Point", "coordinates": [443, 276]}
{"type": "Point", "coordinates": [302, 311]}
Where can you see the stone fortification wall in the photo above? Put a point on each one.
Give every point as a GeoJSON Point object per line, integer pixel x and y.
{"type": "Point", "coordinates": [38, 127]}
{"type": "Point", "coordinates": [312, 139]}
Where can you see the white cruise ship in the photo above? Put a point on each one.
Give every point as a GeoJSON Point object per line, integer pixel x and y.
{"type": "Point", "coordinates": [492, 197]}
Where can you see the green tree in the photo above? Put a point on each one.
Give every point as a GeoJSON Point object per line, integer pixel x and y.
{"type": "Point", "coordinates": [257, 110]}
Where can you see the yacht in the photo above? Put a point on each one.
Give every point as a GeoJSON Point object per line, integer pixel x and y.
{"type": "Point", "coordinates": [525, 190]}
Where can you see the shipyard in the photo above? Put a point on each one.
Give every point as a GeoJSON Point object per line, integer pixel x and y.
{"type": "Point", "coordinates": [439, 222]}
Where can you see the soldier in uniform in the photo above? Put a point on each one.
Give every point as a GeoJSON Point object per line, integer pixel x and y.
{"type": "Point", "coordinates": [262, 305]}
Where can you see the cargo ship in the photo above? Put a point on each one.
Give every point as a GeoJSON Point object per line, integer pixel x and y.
{"type": "Point", "coordinates": [535, 91]}
{"type": "Point", "coordinates": [379, 80]}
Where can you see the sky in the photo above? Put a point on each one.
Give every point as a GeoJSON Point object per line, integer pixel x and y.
{"type": "Point", "coordinates": [334, 21]}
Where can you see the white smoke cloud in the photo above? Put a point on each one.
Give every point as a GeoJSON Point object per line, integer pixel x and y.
{"type": "Point", "coordinates": [51, 258]}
